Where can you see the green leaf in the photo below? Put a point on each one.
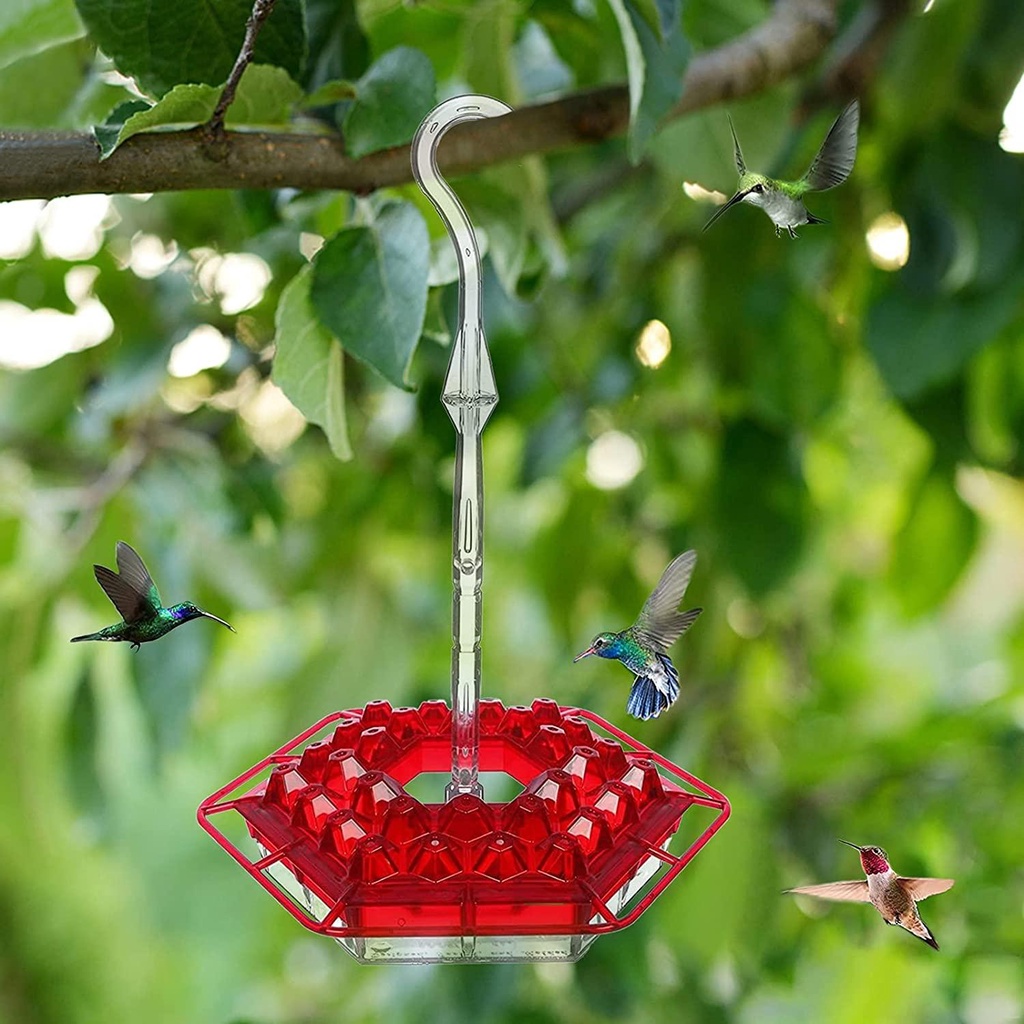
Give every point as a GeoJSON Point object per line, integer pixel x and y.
{"type": "Point", "coordinates": [392, 98]}
{"type": "Point", "coordinates": [654, 69]}
{"type": "Point", "coordinates": [330, 93]}
{"type": "Point", "coordinates": [760, 506]}
{"type": "Point", "coordinates": [28, 26]}
{"type": "Point", "coordinates": [338, 48]}
{"type": "Point", "coordinates": [309, 365]}
{"type": "Point", "coordinates": [919, 342]}
{"type": "Point", "coordinates": [501, 218]}
{"type": "Point", "coordinates": [64, 71]}
{"type": "Point", "coordinates": [164, 43]}
{"type": "Point", "coordinates": [370, 288]}
{"type": "Point", "coordinates": [933, 547]}
{"type": "Point", "coordinates": [265, 97]}
{"type": "Point", "coordinates": [109, 133]}
{"type": "Point", "coordinates": [435, 324]}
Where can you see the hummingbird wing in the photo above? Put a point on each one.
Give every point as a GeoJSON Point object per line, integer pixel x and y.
{"type": "Point", "coordinates": [133, 593]}
{"type": "Point", "coordinates": [835, 158]}
{"type": "Point", "coordinates": [659, 619]}
{"type": "Point", "coordinates": [737, 153]}
{"type": "Point", "coordinates": [922, 888]}
{"type": "Point", "coordinates": [844, 892]}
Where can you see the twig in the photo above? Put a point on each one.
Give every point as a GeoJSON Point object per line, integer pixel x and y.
{"type": "Point", "coordinates": [855, 57]}
{"type": "Point", "coordinates": [261, 10]}
{"type": "Point", "coordinates": [48, 164]}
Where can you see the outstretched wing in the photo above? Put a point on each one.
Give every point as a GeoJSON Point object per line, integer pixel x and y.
{"type": "Point", "coordinates": [844, 892]}
{"type": "Point", "coordinates": [737, 153]}
{"type": "Point", "coordinates": [835, 159]}
{"type": "Point", "coordinates": [660, 619]}
{"type": "Point", "coordinates": [133, 592]}
{"type": "Point", "coordinates": [922, 888]}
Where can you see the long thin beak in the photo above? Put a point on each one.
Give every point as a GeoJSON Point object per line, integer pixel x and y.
{"type": "Point", "coordinates": [579, 657]}
{"type": "Point", "coordinates": [207, 615]}
{"type": "Point", "coordinates": [854, 845]}
{"type": "Point", "coordinates": [718, 213]}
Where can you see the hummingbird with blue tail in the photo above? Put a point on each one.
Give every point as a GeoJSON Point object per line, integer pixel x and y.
{"type": "Point", "coordinates": [893, 896]}
{"type": "Point", "coordinates": [783, 201]}
{"type": "Point", "coordinates": [133, 593]}
{"type": "Point", "coordinates": [643, 647]}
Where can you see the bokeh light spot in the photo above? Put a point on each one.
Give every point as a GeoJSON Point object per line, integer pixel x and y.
{"type": "Point", "coordinates": [701, 194]}
{"type": "Point", "coordinates": [71, 227]}
{"type": "Point", "coordinates": [613, 460]}
{"type": "Point", "coordinates": [204, 348]}
{"type": "Point", "coordinates": [18, 222]}
{"type": "Point", "coordinates": [31, 338]}
{"type": "Point", "coordinates": [150, 257]}
{"type": "Point", "coordinates": [236, 279]}
{"type": "Point", "coordinates": [1011, 136]}
{"type": "Point", "coordinates": [888, 241]}
{"type": "Point", "coordinates": [654, 344]}
{"type": "Point", "coordinates": [271, 420]}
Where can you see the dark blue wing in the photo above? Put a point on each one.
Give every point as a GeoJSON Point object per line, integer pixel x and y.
{"type": "Point", "coordinates": [132, 592]}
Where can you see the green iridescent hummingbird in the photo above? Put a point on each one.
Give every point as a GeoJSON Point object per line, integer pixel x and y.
{"type": "Point", "coordinates": [642, 647]}
{"type": "Point", "coordinates": [783, 201]}
{"type": "Point", "coordinates": [134, 595]}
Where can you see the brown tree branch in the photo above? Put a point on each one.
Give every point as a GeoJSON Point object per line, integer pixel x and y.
{"type": "Point", "coordinates": [41, 165]}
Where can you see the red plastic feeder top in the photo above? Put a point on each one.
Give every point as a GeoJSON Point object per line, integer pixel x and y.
{"type": "Point", "coordinates": [349, 853]}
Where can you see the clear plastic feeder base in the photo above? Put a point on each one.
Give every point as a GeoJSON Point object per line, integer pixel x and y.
{"type": "Point", "coordinates": [584, 849]}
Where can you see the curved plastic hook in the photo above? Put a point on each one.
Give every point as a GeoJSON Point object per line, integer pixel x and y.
{"type": "Point", "coordinates": [469, 371]}
{"type": "Point", "coordinates": [469, 396]}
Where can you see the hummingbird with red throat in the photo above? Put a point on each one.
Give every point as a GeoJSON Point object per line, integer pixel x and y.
{"type": "Point", "coordinates": [893, 896]}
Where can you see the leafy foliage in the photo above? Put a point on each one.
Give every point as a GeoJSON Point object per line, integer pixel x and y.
{"type": "Point", "coordinates": [370, 287]}
{"type": "Point", "coordinates": [175, 42]}
{"type": "Point", "coordinates": [840, 442]}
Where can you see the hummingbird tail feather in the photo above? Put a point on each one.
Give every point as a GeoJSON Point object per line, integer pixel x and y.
{"type": "Point", "coordinates": [647, 698]}
{"type": "Point", "coordinates": [811, 219]}
{"type": "Point", "coordinates": [922, 931]}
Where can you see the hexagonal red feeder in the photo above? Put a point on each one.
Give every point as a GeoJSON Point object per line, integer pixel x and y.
{"type": "Point", "coordinates": [335, 836]}
{"type": "Point", "coordinates": [584, 849]}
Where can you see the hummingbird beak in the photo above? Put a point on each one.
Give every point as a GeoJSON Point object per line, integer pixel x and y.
{"type": "Point", "coordinates": [738, 198]}
{"type": "Point", "coordinates": [207, 615]}
{"type": "Point", "coordinates": [580, 657]}
{"type": "Point", "coordinates": [854, 845]}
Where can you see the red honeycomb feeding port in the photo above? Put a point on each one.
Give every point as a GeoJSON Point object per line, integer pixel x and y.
{"type": "Point", "coordinates": [582, 850]}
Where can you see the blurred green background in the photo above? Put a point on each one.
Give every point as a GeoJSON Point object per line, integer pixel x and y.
{"type": "Point", "coordinates": [837, 429]}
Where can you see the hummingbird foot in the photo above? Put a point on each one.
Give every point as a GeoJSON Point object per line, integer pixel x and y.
{"type": "Point", "coordinates": [135, 647]}
{"type": "Point", "coordinates": [792, 233]}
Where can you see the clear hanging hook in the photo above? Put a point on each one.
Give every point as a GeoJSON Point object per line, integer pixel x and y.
{"type": "Point", "coordinates": [469, 396]}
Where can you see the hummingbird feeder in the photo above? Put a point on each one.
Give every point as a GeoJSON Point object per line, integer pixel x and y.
{"type": "Point", "coordinates": [325, 823]}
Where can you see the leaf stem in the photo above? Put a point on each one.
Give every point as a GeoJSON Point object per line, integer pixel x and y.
{"type": "Point", "coordinates": [261, 10]}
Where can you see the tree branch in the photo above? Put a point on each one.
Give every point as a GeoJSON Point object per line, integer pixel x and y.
{"type": "Point", "coordinates": [42, 165]}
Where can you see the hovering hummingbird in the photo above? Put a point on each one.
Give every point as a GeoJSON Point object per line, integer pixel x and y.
{"type": "Point", "coordinates": [135, 596]}
{"type": "Point", "coordinates": [895, 898]}
{"type": "Point", "coordinates": [641, 647]}
{"type": "Point", "coordinates": [783, 201]}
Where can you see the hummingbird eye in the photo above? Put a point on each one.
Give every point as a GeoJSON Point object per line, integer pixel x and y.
{"type": "Point", "coordinates": [598, 642]}
{"type": "Point", "coordinates": [758, 188]}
